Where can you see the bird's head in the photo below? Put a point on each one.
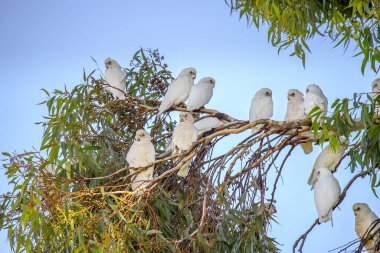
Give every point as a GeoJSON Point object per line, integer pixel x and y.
{"type": "Point", "coordinates": [264, 92]}
{"type": "Point", "coordinates": [110, 63]}
{"type": "Point", "coordinates": [185, 116]}
{"type": "Point", "coordinates": [360, 208]}
{"type": "Point", "coordinates": [208, 80]}
{"type": "Point", "coordinates": [142, 135]}
{"type": "Point", "coordinates": [376, 85]}
{"type": "Point", "coordinates": [295, 95]}
{"type": "Point", "coordinates": [313, 88]}
{"type": "Point", "coordinates": [191, 72]}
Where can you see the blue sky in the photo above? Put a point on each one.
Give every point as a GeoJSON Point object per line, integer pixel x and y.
{"type": "Point", "coordinates": [46, 44]}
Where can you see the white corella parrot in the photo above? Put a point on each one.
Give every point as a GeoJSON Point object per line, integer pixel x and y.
{"type": "Point", "coordinates": [326, 193]}
{"type": "Point", "coordinates": [115, 77]}
{"type": "Point", "coordinates": [201, 93]}
{"type": "Point", "coordinates": [296, 111]}
{"type": "Point", "coordinates": [184, 135]}
{"type": "Point", "coordinates": [140, 155]}
{"type": "Point", "coordinates": [179, 90]}
{"type": "Point", "coordinates": [261, 107]}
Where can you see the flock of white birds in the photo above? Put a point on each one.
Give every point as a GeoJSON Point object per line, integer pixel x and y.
{"type": "Point", "coordinates": [322, 181]}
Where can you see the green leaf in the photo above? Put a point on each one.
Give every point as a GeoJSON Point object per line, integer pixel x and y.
{"type": "Point", "coordinates": [46, 92]}
{"type": "Point", "coordinates": [53, 153]}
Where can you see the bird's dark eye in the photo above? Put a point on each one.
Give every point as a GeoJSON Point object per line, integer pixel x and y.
{"type": "Point", "coordinates": [109, 62]}
{"type": "Point", "coordinates": [307, 90]}
{"type": "Point", "coordinates": [293, 94]}
{"type": "Point", "coordinates": [358, 209]}
{"type": "Point", "coordinates": [318, 172]}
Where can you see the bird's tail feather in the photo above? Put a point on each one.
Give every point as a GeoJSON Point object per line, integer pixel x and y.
{"type": "Point", "coordinates": [142, 179]}
{"type": "Point", "coordinates": [256, 128]}
{"type": "Point", "coordinates": [326, 217]}
{"type": "Point", "coordinates": [307, 147]}
{"type": "Point", "coordinates": [184, 170]}
{"type": "Point", "coordinates": [163, 107]}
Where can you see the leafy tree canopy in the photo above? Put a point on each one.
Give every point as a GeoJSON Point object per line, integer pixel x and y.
{"type": "Point", "coordinates": [293, 23]}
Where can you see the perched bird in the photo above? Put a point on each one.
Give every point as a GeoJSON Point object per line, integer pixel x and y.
{"type": "Point", "coordinates": [261, 107]}
{"type": "Point", "coordinates": [329, 159]}
{"type": "Point", "coordinates": [179, 90]}
{"type": "Point", "coordinates": [375, 94]}
{"type": "Point", "coordinates": [296, 108]}
{"type": "Point", "coordinates": [364, 217]}
{"type": "Point", "coordinates": [296, 111]}
{"type": "Point", "coordinates": [184, 135]}
{"type": "Point", "coordinates": [140, 155]}
{"type": "Point", "coordinates": [200, 93]}
{"type": "Point", "coordinates": [326, 193]}
{"type": "Point", "coordinates": [315, 97]}
{"type": "Point", "coordinates": [206, 124]}
{"type": "Point", "coordinates": [115, 77]}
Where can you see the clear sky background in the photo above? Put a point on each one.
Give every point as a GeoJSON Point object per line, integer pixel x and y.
{"type": "Point", "coordinates": [46, 44]}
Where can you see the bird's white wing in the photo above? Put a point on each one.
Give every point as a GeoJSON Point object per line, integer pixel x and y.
{"type": "Point", "coordinates": [313, 100]}
{"type": "Point", "coordinates": [329, 159]}
{"type": "Point", "coordinates": [324, 103]}
{"type": "Point", "coordinates": [115, 77]}
{"type": "Point", "coordinates": [361, 227]}
{"type": "Point", "coordinates": [208, 123]}
{"type": "Point", "coordinates": [149, 153]}
{"type": "Point", "coordinates": [132, 156]}
{"type": "Point", "coordinates": [261, 108]}
{"type": "Point", "coordinates": [178, 91]}
{"type": "Point", "coordinates": [184, 135]}
{"type": "Point", "coordinates": [295, 111]}
{"type": "Point", "coordinates": [326, 194]}
{"type": "Point", "coordinates": [200, 95]}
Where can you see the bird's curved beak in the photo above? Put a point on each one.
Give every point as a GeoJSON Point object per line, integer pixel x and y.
{"type": "Point", "coordinates": [193, 76]}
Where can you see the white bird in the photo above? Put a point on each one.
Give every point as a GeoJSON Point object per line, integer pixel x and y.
{"type": "Point", "coordinates": [179, 90]}
{"type": "Point", "coordinates": [315, 97]}
{"type": "Point", "coordinates": [364, 217]}
{"type": "Point", "coordinates": [115, 77]}
{"type": "Point", "coordinates": [208, 123]}
{"type": "Point", "coordinates": [184, 135]}
{"type": "Point", "coordinates": [296, 111]}
{"type": "Point", "coordinates": [200, 93]}
{"type": "Point", "coordinates": [329, 159]}
{"type": "Point", "coordinates": [326, 194]}
{"type": "Point", "coordinates": [375, 94]}
{"type": "Point", "coordinates": [140, 155]}
{"type": "Point", "coordinates": [261, 107]}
